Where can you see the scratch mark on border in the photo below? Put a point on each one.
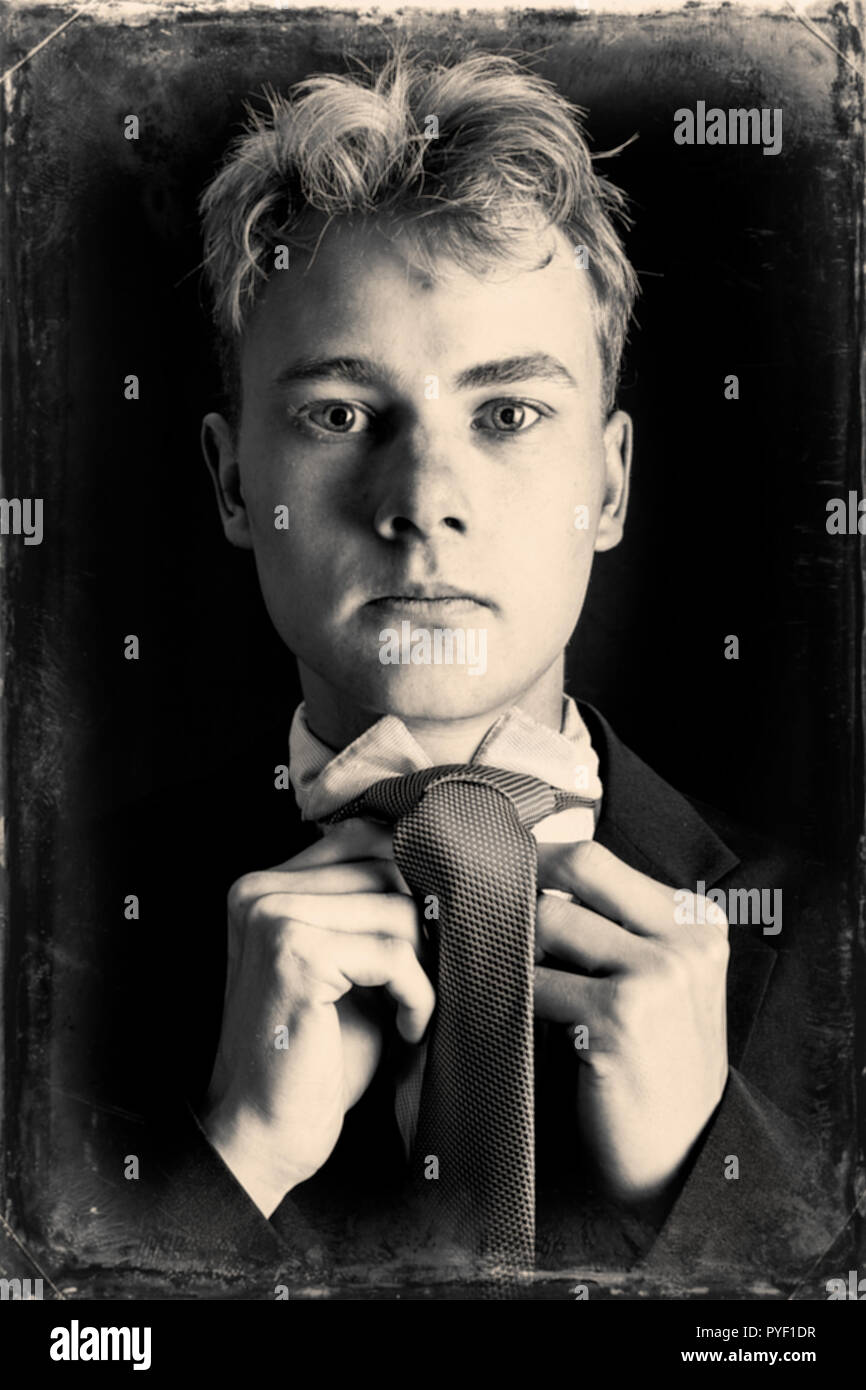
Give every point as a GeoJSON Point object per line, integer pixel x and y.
{"type": "Point", "coordinates": [54, 32]}
{"type": "Point", "coordinates": [807, 24]}
{"type": "Point", "coordinates": [32, 1258]}
{"type": "Point", "coordinates": [856, 1211]}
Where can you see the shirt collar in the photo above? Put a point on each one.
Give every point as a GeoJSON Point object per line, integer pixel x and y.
{"type": "Point", "coordinates": [323, 780]}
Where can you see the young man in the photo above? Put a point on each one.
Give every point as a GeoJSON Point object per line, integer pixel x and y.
{"type": "Point", "coordinates": [422, 303]}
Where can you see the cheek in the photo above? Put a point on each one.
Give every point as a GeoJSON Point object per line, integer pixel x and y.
{"type": "Point", "coordinates": [288, 522]}
{"type": "Point", "coordinates": [552, 530]}
{"type": "Point", "coordinates": [549, 560]}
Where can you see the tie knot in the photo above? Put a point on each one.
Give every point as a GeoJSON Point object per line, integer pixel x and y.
{"type": "Point", "coordinates": [394, 797]}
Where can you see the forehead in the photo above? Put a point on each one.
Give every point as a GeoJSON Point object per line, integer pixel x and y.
{"type": "Point", "coordinates": [360, 293]}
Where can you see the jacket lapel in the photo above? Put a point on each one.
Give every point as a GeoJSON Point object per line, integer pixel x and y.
{"type": "Point", "coordinates": [654, 829]}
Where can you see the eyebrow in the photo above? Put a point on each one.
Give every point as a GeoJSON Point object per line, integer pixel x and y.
{"type": "Point", "coordinates": [507, 371]}
{"type": "Point", "coordinates": [366, 371]}
{"type": "Point", "coordinates": [358, 371]}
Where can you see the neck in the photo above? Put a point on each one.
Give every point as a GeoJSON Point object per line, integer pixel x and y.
{"type": "Point", "coordinates": [338, 721]}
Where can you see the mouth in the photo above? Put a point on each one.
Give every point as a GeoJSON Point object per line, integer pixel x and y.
{"type": "Point", "coordinates": [428, 600]}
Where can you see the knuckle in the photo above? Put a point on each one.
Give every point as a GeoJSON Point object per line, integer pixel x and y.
{"type": "Point", "coordinates": [393, 912]}
{"type": "Point", "coordinates": [553, 920]}
{"type": "Point", "coordinates": [400, 949]}
{"type": "Point", "coordinates": [586, 856]}
{"type": "Point", "coordinates": [623, 1001]}
{"type": "Point", "coordinates": [258, 914]}
{"type": "Point", "coordinates": [718, 948]}
{"type": "Point", "coordinates": [712, 914]}
{"type": "Point", "coordinates": [240, 894]}
{"type": "Point", "coordinates": [556, 910]}
{"type": "Point", "coordinates": [672, 969]}
{"type": "Point", "coordinates": [627, 1013]}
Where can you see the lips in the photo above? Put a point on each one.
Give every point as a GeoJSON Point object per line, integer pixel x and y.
{"type": "Point", "coordinates": [408, 594]}
{"type": "Point", "coordinates": [434, 609]}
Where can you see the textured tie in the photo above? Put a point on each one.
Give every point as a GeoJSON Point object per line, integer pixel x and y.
{"type": "Point", "coordinates": [462, 842]}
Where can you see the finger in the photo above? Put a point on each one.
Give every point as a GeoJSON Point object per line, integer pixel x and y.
{"type": "Point", "coordinates": [391, 964]}
{"type": "Point", "coordinates": [386, 914]}
{"type": "Point", "coordinates": [614, 889]}
{"type": "Point", "coordinates": [351, 839]}
{"type": "Point", "coordinates": [365, 876]}
{"type": "Point", "coordinates": [580, 937]}
{"type": "Point", "coordinates": [566, 998]}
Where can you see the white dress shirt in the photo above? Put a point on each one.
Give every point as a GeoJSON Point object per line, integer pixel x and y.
{"type": "Point", "coordinates": [323, 780]}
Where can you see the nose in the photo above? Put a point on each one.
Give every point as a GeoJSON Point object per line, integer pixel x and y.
{"type": "Point", "coordinates": [420, 492]}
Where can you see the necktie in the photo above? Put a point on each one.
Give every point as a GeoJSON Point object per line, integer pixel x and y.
{"type": "Point", "coordinates": [462, 842]}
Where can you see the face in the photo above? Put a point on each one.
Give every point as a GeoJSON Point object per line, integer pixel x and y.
{"type": "Point", "coordinates": [417, 455]}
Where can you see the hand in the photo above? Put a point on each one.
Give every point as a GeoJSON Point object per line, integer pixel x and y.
{"type": "Point", "coordinates": [653, 999]}
{"type": "Point", "coordinates": [306, 941]}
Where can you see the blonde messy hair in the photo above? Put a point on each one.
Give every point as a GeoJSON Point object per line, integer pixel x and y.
{"type": "Point", "coordinates": [509, 151]}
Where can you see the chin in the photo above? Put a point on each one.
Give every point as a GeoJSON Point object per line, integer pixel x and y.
{"type": "Point", "coordinates": [427, 693]}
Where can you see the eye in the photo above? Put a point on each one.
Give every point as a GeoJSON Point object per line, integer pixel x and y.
{"type": "Point", "coordinates": [337, 417]}
{"type": "Point", "coordinates": [507, 417]}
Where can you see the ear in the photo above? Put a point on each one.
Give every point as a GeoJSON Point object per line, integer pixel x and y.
{"type": "Point", "coordinates": [617, 439]}
{"type": "Point", "coordinates": [220, 455]}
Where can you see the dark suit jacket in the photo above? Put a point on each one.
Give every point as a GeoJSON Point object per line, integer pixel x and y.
{"type": "Point", "coordinates": [187, 1214]}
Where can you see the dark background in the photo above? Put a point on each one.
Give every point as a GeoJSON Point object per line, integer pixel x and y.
{"type": "Point", "coordinates": [748, 265]}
